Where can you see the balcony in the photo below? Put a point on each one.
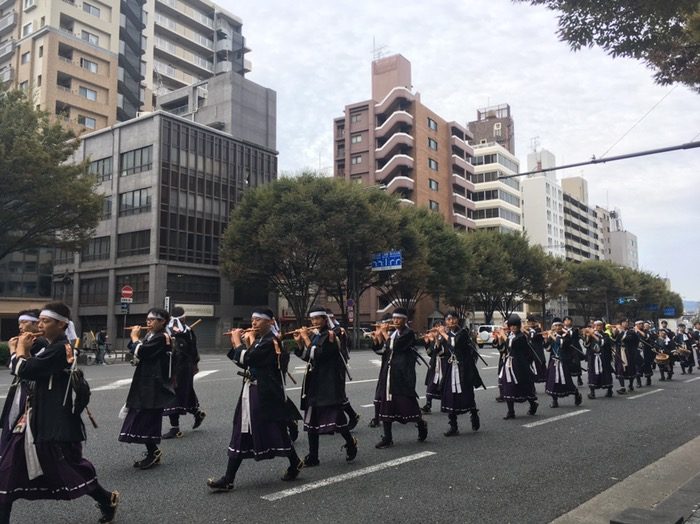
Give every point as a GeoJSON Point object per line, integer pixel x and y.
{"type": "Point", "coordinates": [183, 34]}
{"type": "Point", "coordinates": [6, 49]}
{"type": "Point", "coordinates": [223, 44]}
{"type": "Point", "coordinates": [462, 221]}
{"type": "Point", "coordinates": [462, 182]}
{"type": "Point", "coordinates": [177, 8]}
{"type": "Point", "coordinates": [6, 3]}
{"type": "Point", "coordinates": [223, 66]}
{"type": "Point", "coordinates": [400, 183]}
{"type": "Point", "coordinates": [396, 162]}
{"type": "Point", "coordinates": [460, 131]}
{"type": "Point", "coordinates": [393, 95]}
{"type": "Point", "coordinates": [399, 117]}
{"type": "Point", "coordinates": [459, 161]}
{"type": "Point", "coordinates": [6, 75]}
{"type": "Point", "coordinates": [398, 139]}
{"type": "Point", "coordinates": [7, 22]}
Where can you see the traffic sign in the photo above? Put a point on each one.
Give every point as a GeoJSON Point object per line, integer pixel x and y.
{"type": "Point", "coordinates": [125, 300]}
{"type": "Point", "coordinates": [125, 308]}
{"type": "Point", "coordinates": [127, 291]}
{"type": "Point", "coordinates": [670, 312]}
{"type": "Point", "coordinates": [350, 302]}
{"type": "Point", "coordinates": [386, 261]}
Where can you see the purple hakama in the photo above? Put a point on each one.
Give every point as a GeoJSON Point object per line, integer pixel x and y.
{"type": "Point", "coordinates": [559, 383]}
{"type": "Point", "coordinates": [142, 426]}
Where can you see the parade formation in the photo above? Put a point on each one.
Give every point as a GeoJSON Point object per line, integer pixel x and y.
{"type": "Point", "coordinates": [43, 430]}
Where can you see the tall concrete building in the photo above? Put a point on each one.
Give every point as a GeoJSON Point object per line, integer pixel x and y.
{"type": "Point", "coordinates": [618, 245]}
{"type": "Point", "coordinates": [170, 185]}
{"type": "Point", "coordinates": [543, 204]}
{"type": "Point", "coordinates": [581, 230]}
{"type": "Point", "coordinates": [494, 124]}
{"type": "Point", "coordinates": [395, 141]}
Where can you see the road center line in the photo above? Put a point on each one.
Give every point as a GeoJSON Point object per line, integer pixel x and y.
{"type": "Point", "coordinates": [645, 394]}
{"type": "Point", "coordinates": [366, 405]}
{"type": "Point", "coordinates": [692, 379]}
{"type": "Point", "coordinates": [346, 476]}
{"type": "Point", "coordinates": [203, 374]}
{"type": "Point", "coordinates": [554, 419]}
{"type": "Point", "coordinates": [113, 385]}
{"type": "Point", "coordinates": [490, 367]}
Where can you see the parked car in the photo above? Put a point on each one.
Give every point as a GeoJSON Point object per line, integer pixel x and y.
{"type": "Point", "coordinates": [484, 335]}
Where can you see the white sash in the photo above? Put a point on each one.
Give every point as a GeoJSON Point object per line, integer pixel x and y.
{"type": "Point", "coordinates": [245, 408]}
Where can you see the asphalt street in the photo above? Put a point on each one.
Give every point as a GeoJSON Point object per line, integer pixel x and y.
{"type": "Point", "coordinates": [530, 469]}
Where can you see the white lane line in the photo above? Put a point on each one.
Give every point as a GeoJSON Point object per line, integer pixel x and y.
{"type": "Point", "coordinates": [487, 387]}
{"type": "Point", "coordinates": [366, 405]}
{"type": "Point", "coordinates": [692, 379]}
{"type": "Point", "coordinates": [113, 385]}
{"type": "Point", "coordinates": [203, 374]}
{"type": "Point", "coordinates": [490, 367]}
{"type": "Point", "coordinates": [554, 419]}
{"type": "Point", "coordinates": [487, 356]}
{"type": "Point", "coordinates": [299, 367]}
{"type": "Point", "coordinates": [376, 362]}
{"type": "Point", "coordinates": [346, 476]}
{"type": "Point", "coordinates": [495, 353]}
{"type": "Point", "coordinates": [645, 394]}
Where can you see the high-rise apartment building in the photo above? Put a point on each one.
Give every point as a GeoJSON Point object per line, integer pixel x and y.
{"type": "Point", "coordinates": [393, 140]}
{"type": "Point", "coordinates": [618, 245]}
{"type": "Point", "coordinates": [494, 124]}
{"type": "Point", "coordinates": [188, 41]}
{"type": "Point", "coordinates": [543, 204]}
{"type": "Point", "coordinates": [581, 229]}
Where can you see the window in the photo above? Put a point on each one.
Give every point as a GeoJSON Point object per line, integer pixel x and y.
{"type": "Point", "coordinates": [29, 3]}
{"type": "Point", "coordinates": [107, 208]}
{"type": "Point", "coordinates": [97, 249]}
{"type": "Point", "coordinates": [136, 161]}
{"type": "Point", "coordinates": [355, 118]}
{"type": "Point", "coordinates": [38, 81]}
{"type": "Point", "coordinates": [24, 85]}
{"type": "Point", "coordinates": [136, 243]}
{"type": "Point", "coordinates": [89, 65]}
{"type": "Point", "coordinates": [138, 282]}
{"type": "Point", "coordinates": [432, 144]}
{"type": "Point", "coordinates": [91, 9]}
{"type": "Point", "coordinates": [93, 291]}
{"type": "Point", "coordinates": [102, 169]}
{"type": "Point", "coordinates": [193, 288]}
{"type": "Point", "coordinates": [87, 121]}
{"type": "Point", "coordinates": [135, 202]}
{"type": "Point", "coordinates": [27, 29]}
{"type": "Point", "coordinates": [41, 51]}
{"type": "Point", "coordinates": [434, 205]}
{"type": "Point", "coordinates": [25, 57]}
{"type": "Point", "coordinates": [432, 164]}
{"type": "Point", "coordinates": [497, 129]}
{"type": "Point", "coordinates": [432, 124]}
{"type": "Point", "coordinates": [357, 159]}
{"type": "Point", "coordinates": [356, 139]}
{"type": "Point", "coordinates": [88, 93]}
{"type": "Point", "coordinates": [90, 37]}
{"type": "Point", "coordinates": [433, 184]}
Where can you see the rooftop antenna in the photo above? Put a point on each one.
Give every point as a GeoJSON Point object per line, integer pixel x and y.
{"type": "Point", "coordinates": [377, 52]}
{"type": "Point", "coordinates": [534, 144]}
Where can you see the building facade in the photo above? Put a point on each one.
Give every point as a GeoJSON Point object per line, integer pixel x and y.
{"type": "Point", "coordinates": [581, 229]}
{"type": "Point", "coordinates": [494, 124]}
{"type": "Point", "coordinates": [619, 246]}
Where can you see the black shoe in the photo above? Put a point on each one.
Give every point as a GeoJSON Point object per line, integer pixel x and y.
{"type": "Point", "coordinates": [579, 381]}
{"type": "Point", "coordinates": [578, 399]}
{"type": "Point", "coordinates": [622, 391]}
{"type": "Point", "coordinates": [591, 396]}
{"type": "Point", "coordinates": [648, 381]}
{"type": "Point", "coordinates": [453, 431]}
{"type": "Point", "coordinates": [374, 423]}
{"type": "Point", "coordinates": [310, 462]}
{"type": "Point", "coordinates": [293, 432]}
{"type": "Point", "coordinates": [476, 423]}
{"type": "Point", "coordinates": [509, 415]}
{"type": "Point", "coordinates": [533, 408]}
{"type": "Point", "coordinates": [500, 399]}
{"type": "Point", "coordinates": [662, 379]}
{"type": "Point", "coordinates": [220, 485]}
{"type": "Point", "coordinates": [350, 450]}
{"type": "Point", "coordinates": [353, 422]}
{"type": "Point", "coordinates": [109, 511]}
{"type": "Point", "coordinates": [198, 419]}
{"type": "Point", "coordinates": [149, 460]}
{"type": "Point", "coordinates": [172, 433]}
{"type": "Point", "coordinates": [384, 443]}
{"type": "Point", "coordinates": [555, 403]}
{"type": "Point", "coordinates": [422, 430]}
{"type": "Point", "coordinates": [426, 409]}
{"type": "Point", "coordinates": [293, 472]}
{"type": "Point", "coordinates": [609, 393]}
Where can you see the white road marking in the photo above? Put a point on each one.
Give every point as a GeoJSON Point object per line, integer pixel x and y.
{"type": "Point", "coordinates": [113, 385]}
{"type": "Point", "coordinates": [495, 353]}
{"type": "Point", "coordinates": [692, 379]}
{"type": "Point", "coordinates": [376, 362]}
{"type": "Point", "coordinates": [366, 405]}
{"type": "Point", "coordinates": [487, 356]}
{"type": "Point", "coordinates": [645, 394]}
{"type": "Point", "coordinates": [346, 476]}
{"type": "Point", "coordinates": [299, 367]}
{"type": "Point", "coordinates": [490, 367]}
{"type": "Point", "coordinates": [203, 374]}
{"type": "Point", "coordinates": [554, 419]}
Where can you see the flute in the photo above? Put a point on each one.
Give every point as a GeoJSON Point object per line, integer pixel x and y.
{"type": "Point", "coordinates": [132, 327]}
{"type": "Point", "coordinates": [229, 333]}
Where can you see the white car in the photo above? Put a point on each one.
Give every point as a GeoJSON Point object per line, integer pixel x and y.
{"type": "Point", "coordinates": [484, 334]}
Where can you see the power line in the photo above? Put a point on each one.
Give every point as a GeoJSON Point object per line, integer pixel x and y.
{"type": "Point", "coordinates": [594, 160]}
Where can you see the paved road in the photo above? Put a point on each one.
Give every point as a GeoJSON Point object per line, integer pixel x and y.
{"type": "Point", "coordinates": [509, 471]}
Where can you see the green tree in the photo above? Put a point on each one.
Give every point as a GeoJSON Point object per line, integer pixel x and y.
{"type": "Point", "coordinates": [592, 284]}
{"type": "Point", "coordinates": [665, 35]}
{"type": "Point", "coordinates": [548, 284]}
{"type": "Point", "coordinates": [46, 200]}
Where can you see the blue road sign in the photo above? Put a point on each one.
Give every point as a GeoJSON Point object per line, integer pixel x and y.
{"type": "Point", "coordinates": [389, 260]}
{"type": "Point", "coordinates": [669, 311]}
{"type": "Point", "coordinates": [125, 309]}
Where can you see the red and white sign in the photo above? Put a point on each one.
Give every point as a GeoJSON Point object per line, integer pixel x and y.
{"type": "Point", "coordinates": [127, 291]}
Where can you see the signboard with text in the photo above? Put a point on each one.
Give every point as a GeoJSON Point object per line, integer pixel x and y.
{"type": "Point", "coordinates": [387, 261]}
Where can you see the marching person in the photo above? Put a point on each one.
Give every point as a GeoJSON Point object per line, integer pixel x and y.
{"type": "Point", "coordinates": [379, 350]}
{"type": "Point", "coordinates": [262, 415]}
{"type": "Point", "coordinates": [559, 382]}
{"type": "Point", "coordinates": [500, 342]}
{"type": "Point", "coordinates": [685, 350]}
{"type": "Point", "coordinates": [539, 364]}
{"type": "Point", "coordinates": [437, 366]}
{"type": "Point", "coordinates": [28, 322]}
{"type": "Point", "coordinates": [396, 389]}
{"type": "Point", "coordinates": [575, 357]}
{"type": "Point", "coordinates": [626, 355]}
{"type": "Point", "coordinates": [665, 347]}
{"type": "Point", "coordinates": [323, 389]}
{"type": "Point", "coordinates": [461, 374]}
{"type": "Point", "coordinates": [101, 342]}
{"type": "Point", "coordinates": [44, 459]}
{"type": "Point", "coordinates": [516, 376]}
{"type": "Point", "coordinates": [598, 347]}
{"type": "Point", "coordinates": [185, 360]}
{"type": "Point", "coordinates": [353, 416]}
{"type": "Point", "coordinates": [150, 391]}
{"type": "Point", "coordinates": [646, 351]}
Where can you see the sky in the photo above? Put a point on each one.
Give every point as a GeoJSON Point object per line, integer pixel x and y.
{"type": "Point", "coordinates": [470, 54]}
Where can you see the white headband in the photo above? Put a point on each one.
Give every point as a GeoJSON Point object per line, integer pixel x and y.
{"type": "Point", "coordinates": [398, 315]}
{"type": "Point", "coordinates": [153, 316]}
{"type": "Point", "coordinates": [260, 315]}
{"type": "Point", "coordinates": [314, 314]}
{"type": "Point", "coordinates": [28, 318]}
{"type": "Point", "coordinates": [54, 315]}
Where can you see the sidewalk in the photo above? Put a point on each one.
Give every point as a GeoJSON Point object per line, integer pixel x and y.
{"type": "Point", "coordinates": [665, 492]}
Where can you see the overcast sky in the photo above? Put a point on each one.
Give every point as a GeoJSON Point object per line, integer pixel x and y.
{"type": "Point", "coordinates": [473, 53]}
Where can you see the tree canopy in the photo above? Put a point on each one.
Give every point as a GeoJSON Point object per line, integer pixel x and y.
{"type": "Point", "coordinates": [665, 35]}
{"type": "Point", "coordinates": [46, 200]}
